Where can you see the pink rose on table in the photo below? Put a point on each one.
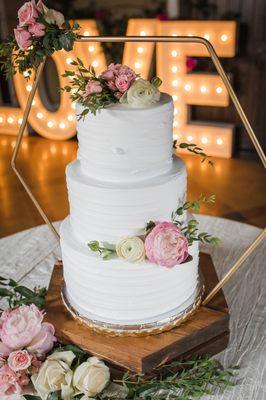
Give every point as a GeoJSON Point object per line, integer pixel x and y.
{"type": "Point", "coordinates": [19, 360]}
{"type": "Point", "coordinates": [20, 326]}
{"type": "Point", "coordinates": [122, 83]}
{"type": "Point", "coordinates": [4, 350]}
{"type": "Point", "coordinates": [23, 38]}
{"type": "Point", "coordinates": [43, 341]}
{"type": "Point", "coordinates": [93, 87]}
{"type": "Point", "coordinates": [28, 13]}
{"type": "Point", "coordinates": [37, 29]}
{"type": "Point", "coordinates": [9, 381]}
{"type": "Point", "coordinates": [166, 245]}
{"type": "Point", "coordinates": [107, 75]}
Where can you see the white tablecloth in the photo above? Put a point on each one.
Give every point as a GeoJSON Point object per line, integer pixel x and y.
{"type": "Point", "coordinates": [29, 257]}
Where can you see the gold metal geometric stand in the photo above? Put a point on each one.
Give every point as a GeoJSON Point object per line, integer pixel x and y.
{"type": "Point", "coordinates": [233, 96]}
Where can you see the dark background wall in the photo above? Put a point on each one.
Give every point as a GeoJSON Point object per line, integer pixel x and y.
{"type": "Point", "coordinates": [248, 68]}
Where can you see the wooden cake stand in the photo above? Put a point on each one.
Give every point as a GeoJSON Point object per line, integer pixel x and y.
{"type": "Point", "coordinates": [206, 332]}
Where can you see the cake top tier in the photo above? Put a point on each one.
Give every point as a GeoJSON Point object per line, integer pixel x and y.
{"type": "Point", "coordinates": [124, 143]}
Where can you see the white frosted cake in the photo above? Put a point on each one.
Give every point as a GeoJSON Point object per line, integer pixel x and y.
{"type": "Point", "coordinates": [124, 177]}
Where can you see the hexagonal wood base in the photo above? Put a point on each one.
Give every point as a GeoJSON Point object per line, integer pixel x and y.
{"type": "Point", "coordinates": [207, 332]}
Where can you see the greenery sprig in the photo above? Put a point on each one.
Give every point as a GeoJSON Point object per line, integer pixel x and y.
{"type": "Point", "coordinates": [16, 60]}
{"type": "Point", "coordinates": [193, 205]}
{"type": "Point", "coordinates": [193, 148]}
{"type": "Point", "coordinates": [106, 251]}
{"type": "Point", "coordinates": [79, 79]}
{"type": "Point", "coordinates": [16, 294]}
{"type": "Point", "coordinates": [179, 380]}
{"type": "Point", "coordinates": [191, 230]}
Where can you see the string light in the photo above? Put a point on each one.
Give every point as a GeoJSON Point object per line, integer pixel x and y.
{"type": "Point", "coordinates": [219, 90]}
{"type": "Point", "coordinates": [174, 68]}
{"type": "Point", "coordinates": [1, 120]}
{"type": "Point", "coordinates": [187, 87]}
{"type": "Point", "coordinates": [28, 88]}
{"type": "Point", "coordinates": [142, 33]}
{"type": "Point", "coordinates": [10, 120]}
{"type": "Point", "coordinates": [174, 53]}
{"type": "Point", "coordinates": [50, 124]}
{"type": "Point", "coordinates": [71, 117]}
{"type": "Point", "coordinates": [140, 50]}
{"type": "Point", "coordinates": [204, 140]}
{"type": "Point", "coordinates": [20, 120]}
{"type": "Point", "coordinates": [137, 65]}
{"type": "Point", "coordinates": [69, 60]}
{"type": "Point", "coordinates": [62, 125]}
{"type": "Point", "coordinates": [39, 115]}
{"type": "Point", "coordinates": [34, 102]}
{"type": "Point", "coordinates": [86, 33]}
{"type": "Point", "coordinates": [95, 63]}
{"type": "Point", "coordinates": [207, 36]}
{"type": "Point", "coordinates": [175, 124]}
{"type": "Point", "coordinates": [91, 48]}
{"type": "Point", "coordinates": [175, 97]}
{"type": "Point", "coordinates": [189, 138]}
{"type": "Point", "coordinates": [175, 137]}
{"type": "Point", "coordinates": [174, 82]}
{"type": "Point", "coordinates": [219, 141]}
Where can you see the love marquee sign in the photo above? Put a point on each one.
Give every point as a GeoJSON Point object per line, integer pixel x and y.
{"type": "Point", "coordinates": [186, 89]}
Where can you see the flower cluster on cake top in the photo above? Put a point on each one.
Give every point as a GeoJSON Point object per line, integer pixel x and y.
{"type": "Point", "coordinates": [118, 83]}
{"type": "Point", "coordinates": [165, 243]}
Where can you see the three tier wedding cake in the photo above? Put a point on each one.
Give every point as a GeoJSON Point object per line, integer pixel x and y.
{"type": "Point", "coordinates": [127, 260]}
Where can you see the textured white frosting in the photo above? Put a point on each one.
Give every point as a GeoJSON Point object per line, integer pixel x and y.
{"type": "Point", "coordinates": [108, 211]}
{"type": "Point", "coordinates": [124, 143]}
{"type": "Point", "coordinates": [116, 291]}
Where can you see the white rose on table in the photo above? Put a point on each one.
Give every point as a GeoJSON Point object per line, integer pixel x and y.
{"type": "Point", "coordinates": [141, 93]}
{"type": "Point", "coordinates": [91, 377]}
{"type": "Point", "coordinates": [131, 249]}
{"type": "Point", "coordinates": [55, 374]}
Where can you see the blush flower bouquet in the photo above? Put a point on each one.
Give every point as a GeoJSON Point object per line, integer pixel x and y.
{"type": "Point", "coordinates": [118, 83]}
{"type": "Point", "coordinates": [39, 33]}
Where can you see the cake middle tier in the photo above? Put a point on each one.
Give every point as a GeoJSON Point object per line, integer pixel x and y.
{"type": "Point", "coordinates": [108, 211]}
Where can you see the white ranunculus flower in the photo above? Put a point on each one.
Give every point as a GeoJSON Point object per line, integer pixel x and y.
{"type": "Point", "coordinates": [54, 17]}
{"type": "Point", "coordinates": [91, 377]}
{"type": "Point", "coordinates": [55, 374]}
{"type": "Point", "coordinates": [141, 93]}
{"type": "Point", "coordinates": [131, 249]}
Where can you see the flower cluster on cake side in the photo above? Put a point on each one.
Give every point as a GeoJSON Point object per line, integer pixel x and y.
{"type": "Point", "coordinates": [165, 243]}
{"type": "Point", "coordinates": [118, 83]}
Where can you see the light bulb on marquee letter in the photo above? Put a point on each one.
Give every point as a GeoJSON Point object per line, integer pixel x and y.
{"type": "Point", "coordinates": [57, 124]}
{"type": "Point", "coordinates": [197, 88]}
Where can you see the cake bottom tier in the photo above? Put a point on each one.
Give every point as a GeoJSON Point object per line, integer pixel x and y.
{"type": "Point", "coordinates": [119, 292]}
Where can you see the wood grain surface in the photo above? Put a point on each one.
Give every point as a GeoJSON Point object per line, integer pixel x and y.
{"type": "Point", "coordinates": [207, 328]}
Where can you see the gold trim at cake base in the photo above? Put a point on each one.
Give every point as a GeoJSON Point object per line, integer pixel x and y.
{"type": "Point", "coordinates": [146, 329]}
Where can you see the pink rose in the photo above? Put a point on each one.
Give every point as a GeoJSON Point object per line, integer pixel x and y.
{"type": "Point", "coordinates": [19, 360]}
{"type": "Point", "coordinates": [4, 350]}
{"type": "Point", "coordinates": [20, 326]}
{"type": "Point", "coordinates": [107, 75]}
{"type": "Point", "coordinates": [28, 13]}
{"type": "Point", "coordinates": [122, 83]}
{"type": "Point", "coordinates": [43, 341]}
{"type": "Point", "coordinates": [118, 95]}
{"type": "Point", "coordinates": [23, 38]}
{"type": "Point", "coordinates": [111, 85]}
{"type": "Point", "coordinates": [166, 245]}
{"type": "Point", "coordinates": [37, 29]}
{"type": "Point", "coordinates": [114, 67]}
{"type": "Point", "coordinates": [93, 87]}
{"type": "Point", "coordinates": [41, 7]}
{"type": "Point", "coordinates": [9, 381]}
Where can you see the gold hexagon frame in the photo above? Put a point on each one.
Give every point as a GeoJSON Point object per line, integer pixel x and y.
{"type": "Point", "coordinates": [163, 39]}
